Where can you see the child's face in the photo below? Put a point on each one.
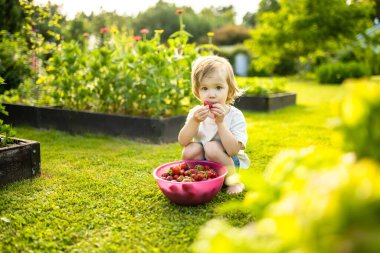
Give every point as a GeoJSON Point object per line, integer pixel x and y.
{"type": "Point", "coordinates": [214, 87]}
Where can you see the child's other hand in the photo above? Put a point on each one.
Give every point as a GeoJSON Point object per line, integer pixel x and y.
{"type": "Point", "coordinates": [201, 114]}
{"type": "Point", "coordinates": [219, 111]}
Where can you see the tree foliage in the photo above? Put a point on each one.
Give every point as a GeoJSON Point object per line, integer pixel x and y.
{"type": "Point", "coordinates": [230, 35]}
{"type": "Point", "coordinates": [306, 31]}
{"type": "Point", "coordinates": [161, 16]}
{"type": "Point", "coordinates": [11, 15]}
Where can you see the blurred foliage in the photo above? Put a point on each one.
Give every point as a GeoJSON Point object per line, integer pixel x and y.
{"type": "Point", "coordinates": [230, 35]}
{"type": "Point", "coordinates": [12, 16]}
{"type": "Point", "coordinates": [15, 64]}
{"type": "Point", "coordinates": [337, 72]}
{"type": "Point", "coordinates": [306, 30]}
{"type": "Point", "coordinates": [250, 19]}
{"type": "Point", "coordinates": [313, 200]}
{"type": "Point", "coordinates": [366, 50]}
{"type": "Point", "coordinates": [83, 25]}
{"type": "Point", "coordinates": [360, 118]}
{"type": "Point", "coordinates": [262, 86]}
{"type": "Point", "coordinates": [308, 201]}
{"type": "Point", "coordinates": [161, 16]}
{"type": "Point", "coordinates": [376, 13]}
{"type": "Point", "coordinates": [22, 53]}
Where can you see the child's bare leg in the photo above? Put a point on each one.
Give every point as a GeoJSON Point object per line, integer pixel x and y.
{"type": "Point", "coordinates": [193, 151]}
{"type": "Point", "coordinates": [214, 152]}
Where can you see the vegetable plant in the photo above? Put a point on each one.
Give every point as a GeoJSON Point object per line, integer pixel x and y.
{"type": "Point", "coordinates": [124, 74]}
{"type": "Point", "coordinates": [6, 131]}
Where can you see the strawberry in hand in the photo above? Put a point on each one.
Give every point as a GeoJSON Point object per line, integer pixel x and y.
{"type": "Point", "coordinates": [209, 104]}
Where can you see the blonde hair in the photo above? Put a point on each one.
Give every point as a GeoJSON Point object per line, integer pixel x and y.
{"type": "Point", "coordinates": [206, 65]}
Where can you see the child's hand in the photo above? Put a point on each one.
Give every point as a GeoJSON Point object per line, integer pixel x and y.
{"type": "Point", "coordinates": [219, 111]}
{"type": "Point", "coordinates": [201, 114]}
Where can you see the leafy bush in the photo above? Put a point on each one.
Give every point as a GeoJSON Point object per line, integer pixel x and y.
{"type": "Point", "coordinates": [339, 71]}
{"type": "Point", "coordinates": [5, 129]}
{"type": "Point", "coordinates": [231, 35]}
{"type": "Point", "coordinates": [125, 74]}
{"type": "Point", "coordinates": [15, 63]}
{"type": "Point", "coordinates": [313, 200]}
{"type": "Point", "coordinates": [262, 86]}
{"type": "Point", "coordinates": [360, 122]}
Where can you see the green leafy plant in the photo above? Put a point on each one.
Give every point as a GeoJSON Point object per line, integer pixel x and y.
{"type": "Point", "coordinates": [6, 131]}
{"type": "Point", "coordinates": [339, 71]}
{"type": "Point", "coordinates": [124, 74]}
{"type": "Point", "coordinates": [262, 86]}
{"type": "Point", "coordinates": [360, 118]}
{"type": "Point", "coordinates": [15, 59]}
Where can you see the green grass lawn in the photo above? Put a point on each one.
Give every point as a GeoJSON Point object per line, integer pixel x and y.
{"type": "Point", "coordinates": [97, 194]}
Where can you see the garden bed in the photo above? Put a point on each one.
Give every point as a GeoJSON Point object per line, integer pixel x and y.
{"type": "Point", "coordinates": [21, 160]}
{"type": "Point", "coordinates": [266, 103]}
{"type": "Point", "coordinates": [80, 122]}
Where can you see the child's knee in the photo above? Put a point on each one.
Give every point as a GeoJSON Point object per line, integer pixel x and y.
{"type": "Point", "coordinates": [212, 151]}
{"type": "Point", "coordinates": [193, 151]}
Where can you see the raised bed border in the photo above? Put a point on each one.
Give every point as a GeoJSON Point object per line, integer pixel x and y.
{"type": "Point", "coordinates": [79, 122]}
{"type": "Point", "coordinates": [266, 103]}
{"type": "Point", "coordinates": [18, 161]}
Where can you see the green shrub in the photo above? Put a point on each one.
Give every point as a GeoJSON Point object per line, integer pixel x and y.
{"type": "Point", "coordinates": [15, 60]}
{"type": "Point", "coordinates": [262, 86]}
{"type": "Point", "coordinates": [360, 123]}
{"type": "Point", "coordinates": [231, 35]}
{"type": "Point", "coordinates": [339, 71]}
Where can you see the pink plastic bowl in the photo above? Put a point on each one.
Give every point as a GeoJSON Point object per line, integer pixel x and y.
{"type": "Point", "coordinates": [191, 193]}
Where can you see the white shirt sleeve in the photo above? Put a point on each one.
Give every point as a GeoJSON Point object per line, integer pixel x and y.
{"type": "Point", "coordinates": [239, 128]}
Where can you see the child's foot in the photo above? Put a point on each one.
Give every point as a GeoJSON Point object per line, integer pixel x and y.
{"type": "Point", "coordinates": [235, 189]}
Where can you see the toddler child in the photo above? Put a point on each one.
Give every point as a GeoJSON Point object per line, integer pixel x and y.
{"type": "Point", "coordinates": [216, 130]}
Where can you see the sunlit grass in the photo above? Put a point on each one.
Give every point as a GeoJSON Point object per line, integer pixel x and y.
{"type": "Point", "coordinates": [97, 194]}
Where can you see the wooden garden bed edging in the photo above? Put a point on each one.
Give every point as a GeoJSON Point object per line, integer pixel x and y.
{"type": "Point", "coordinates": [266, 103]}
{"type": "Point", "coordinates": [21, 160]}
{"type": "Point", "coordinates": [80, 122]}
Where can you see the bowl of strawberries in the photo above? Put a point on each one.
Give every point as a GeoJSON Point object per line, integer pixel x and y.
{"type": "Point", "coordinates": [190, 182]}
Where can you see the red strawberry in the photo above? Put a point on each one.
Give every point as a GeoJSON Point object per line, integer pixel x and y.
{"type": "Point", "coordinates": [209, 103]}
{"type": "Point", "coordinates": [184, 166]}
{"type": "Point", "coordinates": [175, 170]}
